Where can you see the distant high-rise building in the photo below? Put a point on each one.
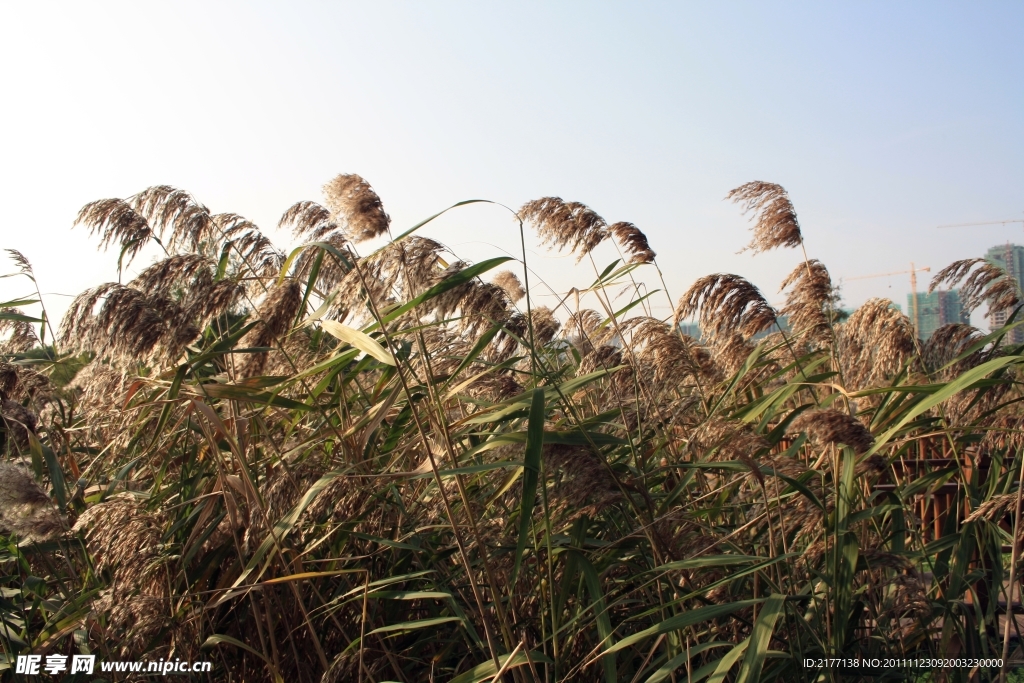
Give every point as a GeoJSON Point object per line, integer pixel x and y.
{"type": "Point", "coordinates": [1009, 257]}
{"type": "Point", "coordinates": [935, 309]}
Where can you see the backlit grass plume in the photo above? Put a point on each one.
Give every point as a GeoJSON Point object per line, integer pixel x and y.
{"type": "Point", "coordinates": [565, 225]}
{"type": "Point", "coordinates": [508, 281]}
{"type": "Point", "coordinates": [832, 426]}
{"type": "Point", "coordinates": [808, 301]}
{"type": "Point", "coordinates": [726, 304]}
{"type": "Point", "coordinates": [775, 222]}
{"type": "Point", "coordinates": [355, 205]}
{"type": "Point", "coordinates": [116, 222]}
{"type": "Point", "coordinates": [633, 242]}
{"type": "Point", "coordinates": [981, 282]}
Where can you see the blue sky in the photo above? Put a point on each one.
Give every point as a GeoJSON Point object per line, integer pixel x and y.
{"type": "Point", "coordinates": [883, 120]}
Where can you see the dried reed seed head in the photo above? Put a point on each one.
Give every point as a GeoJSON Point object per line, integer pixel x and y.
{"type": "Point", "coordinates": [129, 324]}
{"type": "Point", "coordinates": [480, 303]}
{"type": "Point", "coordinates": [411, 266]}
{"type": "Point", "coordinates": [601, 358]}
{"type": "Point", "coordinates": [775, 218]}
{"type": "Point", "coordinates": [24, 267]}
{"type": "Point", "coordinates": [231, 225]}
{"type": "Point", "coordinates": [508, 281]}
{"type": "Point", "coordinates": [806, 302]}
{"type": "Point", "coordinates": [332, 269]}
{"type": "Point", "coordinates": [354, 204]}
{"type": "Point", "coordinates": [584, 323]}
{"type": "Point", "coordinates": [632, 241]}
{"type": "Point", "coordinates": [222, 296]}
{"type": "Point", "coordinates": [877, 558]}
{"type": "Point", "coordinates": [656, 345]}
{"type": "Point", "coordinates": [732, 440]}
{"type": "Point", "coordinates": [259, 257]}
{"type": "Point", "coordinates": [993, 509]}
{"type": "Point", "coordinates": [18, 419]}
{"type": "Point", "coordinates": [309, 220]}
{"type": "Point", "coordinates": [177, 272]}
{"type": "Point", "coordinates": [981, 282]}
{"type": "Point", "coordinates": [563, 224]}
{"type": "Point", "coordinates": [25, 508]}
{"type": "Point", "coordinates": [17, 335]}
{"type": "Point", "coordinates": [911, 599]}
{"type": "Point", "coordinates": [123, 537]}
{"type": "Point", "coordinates": [279, 309]}
{"type": "Point", "coordinates": [949, 342]}
{"type": "Point", "coordinates": [586, 486]}
{"type": "Point", "coordinates": [727, 304]}
{"type": "Point", "coordinates": [168, 208]}
{"type": "Point", "coordinates": [729, 352]}
{"type": "Point", "coordinates": [825, 425]}
{"type": "Point", "coordinates": [19, 487]}
{"type": "Point", "coordinates": [9, 379]}
{"type": "Point", "coordinates": [545, 325]}
{"type": "Point", "coordinates": [874, 343]}
{"type": "Point", "coordinates": [116, 222]}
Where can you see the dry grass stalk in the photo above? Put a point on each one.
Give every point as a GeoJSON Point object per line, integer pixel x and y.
{"type": "Point", "coordinates": [776, 224]}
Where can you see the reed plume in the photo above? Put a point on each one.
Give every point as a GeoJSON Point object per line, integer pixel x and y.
{"type": "Point", "coordinates": [985, 284]}
{"type": "Point", "coordinates": [128, 324]}
{"type": "Point", "coordinates": [633, 242]}
{"type": "Point", "coordinates": [807, 302]}
{"type": "Point", "coordinates": [167, 208]}
{"type": "Point", "coordinates": [309, 220]}
{"type": "Point", "coordinates": [874, 343]}
{"type": "Point", "coordinates": [508, 281]}
{"type": "Point", "coordinates": [23, 264]}
{"type": "Point", "coordinates": [274, 316]}
{"type": "Point", "coordinates": [354, 204]}
{"type": "Point", "coordinates": [950, 341]}
{"type": "Point", "coordinates": [18, 335]}
{"type": "Point", "coordinates": [562, 224]}
{"type": "Point", "coordinates": [116, 222]}
{"type": "Point", "coordinates": [25, 508]}
{"type": "Point", "coordinates": [825, 425]}
{"type": "Point", "coordinates": [775, 218]}
{"type": "Point", "coordinates": [727, 304]}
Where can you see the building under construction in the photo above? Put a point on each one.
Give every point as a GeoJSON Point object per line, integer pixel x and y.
{"type": "Point", "coordinates": [935, 309]}
{"type": "Point", "coordinates": [1009, 257]}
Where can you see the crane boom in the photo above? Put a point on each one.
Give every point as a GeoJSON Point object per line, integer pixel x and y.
{"type": "Point", "coordinates": [895, 272]}
{"type": "Point", "coordinates": [971, 225]}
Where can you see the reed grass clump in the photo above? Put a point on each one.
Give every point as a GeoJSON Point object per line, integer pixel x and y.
{"type": "Point", "coordinates": [336, 463]}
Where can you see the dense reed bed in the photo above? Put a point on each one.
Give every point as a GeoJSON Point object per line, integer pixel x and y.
{"type": "Point", "coordinates": [344, 464]}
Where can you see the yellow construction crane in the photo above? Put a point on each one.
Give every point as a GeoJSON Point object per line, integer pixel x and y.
{"type": "Point", "coordinates": [971, 225]}
{"type": "Point", "coordinates": [913, 286]}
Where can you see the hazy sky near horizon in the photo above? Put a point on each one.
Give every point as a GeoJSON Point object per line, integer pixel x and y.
{"type": "Point", "coordinates": [883, 120]}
